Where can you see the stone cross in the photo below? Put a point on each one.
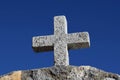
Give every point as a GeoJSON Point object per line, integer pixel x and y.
{"type": "Point", "coordinates": [61, 42]}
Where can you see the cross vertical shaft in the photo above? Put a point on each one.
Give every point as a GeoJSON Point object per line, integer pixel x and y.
{"type": "Point", "coordinates": [61, 56]}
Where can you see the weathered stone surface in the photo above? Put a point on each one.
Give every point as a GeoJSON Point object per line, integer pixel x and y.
{"type": "Point", "coordinates": [61, 41]}
{"type": "Point", "coordinates": [62, 73]}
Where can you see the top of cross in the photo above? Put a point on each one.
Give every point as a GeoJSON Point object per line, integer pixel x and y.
{"type": "Point", "coordinates": [60, 42]}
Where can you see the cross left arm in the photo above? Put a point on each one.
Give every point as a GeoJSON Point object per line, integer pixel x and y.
{"type": "Point", "coordinates": [43, 43]}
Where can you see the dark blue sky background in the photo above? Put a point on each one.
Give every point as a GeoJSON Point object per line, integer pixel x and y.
{"type": "Point", "coordinates": [20, 20]}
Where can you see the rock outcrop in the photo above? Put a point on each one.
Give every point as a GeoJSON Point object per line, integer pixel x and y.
{"type": "Point", "coordinates": [61, 73]}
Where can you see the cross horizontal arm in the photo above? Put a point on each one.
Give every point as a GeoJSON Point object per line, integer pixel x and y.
{"type": "Point", "coordinates": [43, 43]}
{"type": "Point", "coordinates": [78, 40]}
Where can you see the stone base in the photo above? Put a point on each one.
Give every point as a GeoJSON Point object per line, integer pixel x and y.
{"type": "Point", "coordinates": [61, 73]}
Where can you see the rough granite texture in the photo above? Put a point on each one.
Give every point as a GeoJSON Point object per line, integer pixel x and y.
{"type": "Point", "coordinates": [60, 42]}
{"type": "Point", "coordinates": [62, 73]}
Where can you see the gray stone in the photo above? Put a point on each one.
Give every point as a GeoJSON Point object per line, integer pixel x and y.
{"type": "Point", "coordinates": [61, 41]}
{"type": "Point", "coordinates": [109, 79]}
{"type": "Point", "coordinates": [62, 73]}
{"type": "Point", "coordinates": [69, 73]}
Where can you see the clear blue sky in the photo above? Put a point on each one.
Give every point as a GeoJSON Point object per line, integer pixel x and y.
{"type": "Point", "coordinates": [20, 20]}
